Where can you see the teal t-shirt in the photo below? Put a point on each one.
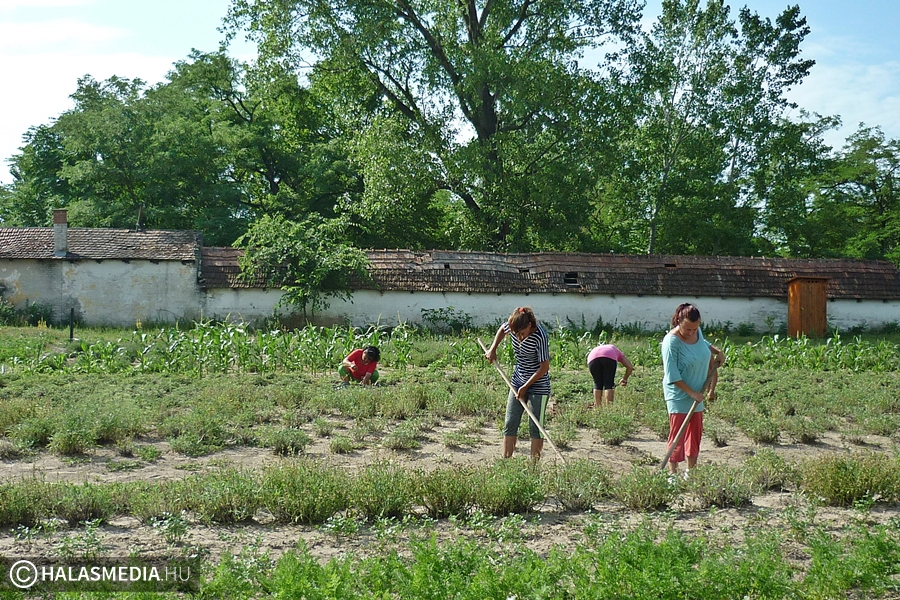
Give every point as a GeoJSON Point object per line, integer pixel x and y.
{"type": "Point", "coordinates": [683, 362]}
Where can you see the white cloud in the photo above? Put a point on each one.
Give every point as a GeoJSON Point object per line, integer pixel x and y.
{"type": "Point", "coordinates": [857, 93]}
{"type": "Point", "coordinates": [47, 80]}
{"type": "Point", "coordinates": [13, 4]}
{"type": "Point", "coordinates": [22, 38]}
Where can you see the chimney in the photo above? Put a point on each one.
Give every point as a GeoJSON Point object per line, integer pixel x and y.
{"type": "Point", "coordinates": [60, 232]}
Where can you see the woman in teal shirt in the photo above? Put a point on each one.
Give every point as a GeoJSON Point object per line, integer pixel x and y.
{"type": "Point", "coordinates": [687, 359]}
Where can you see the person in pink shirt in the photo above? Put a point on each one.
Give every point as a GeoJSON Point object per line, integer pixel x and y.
{"type": "Point", "coordinates": [602, 362]}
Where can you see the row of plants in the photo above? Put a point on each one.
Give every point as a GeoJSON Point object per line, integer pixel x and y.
{"type": "Point", "coordinates": [311, 492]}
{"type": "Point", "coordinates": [208, 347]}
{"type": "Point", "coordinates": [73, 416]}
{"type": "Point", "coordinates": [649, 560]}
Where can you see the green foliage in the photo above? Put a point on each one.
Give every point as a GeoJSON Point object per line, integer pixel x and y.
{"type": "Point", "coordinates": [517, 181]}
{"type": "Point", "coordinates": [507, 486]}
{"type": "Point", "coordinates": [23, 503]}
{"type": "Point", "coordinates": [310, 260]}
{"type": "Point", "coordinates": [447, 319]}
{"type": "Point", "coordinates": [719, 485]}
{"type": "Point", "coordinates": [643, 562]}
{"type": "Point", "coordinates": [612, 426]}
{"type": "Point", "coordinates": [768, 471]}
{"type": "Point", "coordinates": [578, 485]}
{"type": "Point", "coordinates": [32, 433]}
{"type": "Point", "coordinates": [644, 489]}
{"type": "Point", "coordinates": [840, 480]}
{"type": "Point", "coordinates": [404, 436]}
{"type": "Point", "coordinates": [447, 491]}
{"type": "Point", "coordinates": [83, 503]}
{"type": "Point", "coordinates": [382, 491]}
{"type": "Point", "coordinates": [341, 444]}
{"type": "Point", "coordinates": [289, 442]}
{"type": "Point", "coordinates": [224, 496]}
{"type": "Point", "coordinates": [304, 492]}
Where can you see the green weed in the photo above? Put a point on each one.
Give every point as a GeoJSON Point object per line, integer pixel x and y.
{"type": "Point", "coordinates": [840, 480]}
{"type": "Point", "coordinates": [511, 485]}
{"type": "Point", "coordinates": [578, 485]}
{"type": "Point", "coordinates": [304, 492]}
{"type": "Point", "coordinates": [644, 489]}
{"type": "Point", "coordinates": [384, 491]}
{"type": "Point", "coordinates": [447, 491]}
{"type": "Point", "coordinates": [225, 496]}
{"type": "Point", "coordinates": [719, 485]}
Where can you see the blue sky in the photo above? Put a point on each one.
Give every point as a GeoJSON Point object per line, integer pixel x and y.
{"type": "Point", "coordinates": [46, 45]}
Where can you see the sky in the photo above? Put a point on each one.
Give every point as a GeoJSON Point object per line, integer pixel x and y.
{"type": "Point", "coordinates": [47, 45]}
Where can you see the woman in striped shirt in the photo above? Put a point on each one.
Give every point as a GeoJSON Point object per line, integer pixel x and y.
{"type": "Point", "coordinates": [531, 377]}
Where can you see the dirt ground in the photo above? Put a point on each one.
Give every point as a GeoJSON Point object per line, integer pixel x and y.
{"type": "Point", "coordinates": [546, 527]}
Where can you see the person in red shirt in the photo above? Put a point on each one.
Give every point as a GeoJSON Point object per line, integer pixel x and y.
{"type": "Point", "coordinates": [361, 365]}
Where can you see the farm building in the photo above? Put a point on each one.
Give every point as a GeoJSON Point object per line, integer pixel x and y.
{"type": "Point", "coordinates": [634, 290]}
{"type": "Point", "coordinates": [118, 277]}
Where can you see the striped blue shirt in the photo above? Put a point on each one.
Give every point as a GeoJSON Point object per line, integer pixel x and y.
{"type": "Point", "coordinates": [530, 353]}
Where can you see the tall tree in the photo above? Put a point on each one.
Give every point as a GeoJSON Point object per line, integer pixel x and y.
{"type": "Point", "coordinates": [489, 98]}
{"type": "Point", "coordinates": [796, 158]}
{"type": "Point", "coordinates": [37, 188]}
{"type": "Point", "coordinates": [857, 203]}
{"type": "Point", "coordinates": [707, 94]}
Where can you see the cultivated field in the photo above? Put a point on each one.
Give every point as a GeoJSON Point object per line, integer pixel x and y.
{"type": "Point", "coordinates": [234, 448]}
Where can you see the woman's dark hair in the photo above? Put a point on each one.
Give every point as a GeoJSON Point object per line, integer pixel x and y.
{"type": "Point", "coordinates": [373, 353]}
{"type": "Point", "coordinates": [686, 311]}
{"type": "Point", "coordinates": [521, 318]}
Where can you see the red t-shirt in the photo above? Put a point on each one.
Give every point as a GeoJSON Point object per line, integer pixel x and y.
{"type": "Point", "coordinates": [355, 358]}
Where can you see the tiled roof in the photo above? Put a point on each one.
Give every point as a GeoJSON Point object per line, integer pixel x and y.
{"type": "Point", "coordinates": [220, 268]}
{"type": "Point", "coordinates": [640, 275]}
{"type": "Point", "coordinates": [101, 244]}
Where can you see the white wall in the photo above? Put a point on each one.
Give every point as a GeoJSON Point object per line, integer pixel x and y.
{"type": "Point", "coordinates": [108, 292]}
{"type": "Point", "coordinates": [845, 314]}
{"type": "Point", "coordinates": [243, 305]}
{"type": "Point", "coordinates": [648, 312]}
{"type": "Point", "coordinates": [114, 292]}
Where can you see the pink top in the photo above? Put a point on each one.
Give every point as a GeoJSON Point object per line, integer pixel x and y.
{"type": "Point", "coordinates": [606, 351]}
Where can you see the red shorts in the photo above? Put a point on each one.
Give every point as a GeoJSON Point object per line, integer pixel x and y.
{"type": "Point", "coordinates": [690, 442]}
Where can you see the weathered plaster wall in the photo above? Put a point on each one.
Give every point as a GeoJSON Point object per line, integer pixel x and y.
{"type": "Point", "coordinates": [846, 314]}
{"type": "Point", "coordinates": [119, 293]}
{"type": "Point", "coordinates": [109, 292]}
{"type": "Point", "coordinates": [649, 313]}
{"type": "Point", "coordinates": [241, 304]}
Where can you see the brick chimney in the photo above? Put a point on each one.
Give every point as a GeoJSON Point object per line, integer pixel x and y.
{"type": "Point", "coordinates": [60, 232]}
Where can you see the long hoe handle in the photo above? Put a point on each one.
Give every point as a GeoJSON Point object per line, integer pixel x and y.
{"type": "Point", "coordinates": [687, 419]}
{"type": "Point", "coordinates": [524, 404]}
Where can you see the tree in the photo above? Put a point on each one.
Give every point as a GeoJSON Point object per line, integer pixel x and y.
{"type": "Point", "coordinates": [281, 142]}
{"type": "Point", "coordinates": [128, 157]}
{"type": "Point", "coordinates": [37, 188]}
{"type": "Point", "coordinates": [310, 259]}
{"type": "Point", "coordinates": [707, 95]}
{"type": "Point", "coordinates": [490, 99]}
{"type": "Point", "coordinates": [796, 158]}
{"type": "Point", "coordinates": [857, 201]}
